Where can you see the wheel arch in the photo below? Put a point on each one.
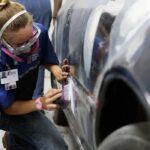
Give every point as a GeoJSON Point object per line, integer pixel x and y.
{"type": "Point", "coordinates": [120, 102]}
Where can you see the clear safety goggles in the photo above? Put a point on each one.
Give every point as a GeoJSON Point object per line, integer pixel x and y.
{"type": "Point", "coordinates": [27, 46]}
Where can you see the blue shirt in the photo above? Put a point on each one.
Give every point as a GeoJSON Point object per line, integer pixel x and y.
{"type": "Point", "coordinates": [46, 56]}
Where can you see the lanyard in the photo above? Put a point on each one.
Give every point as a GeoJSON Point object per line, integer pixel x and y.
{"type": "Point", "coordinates": [18, 59]}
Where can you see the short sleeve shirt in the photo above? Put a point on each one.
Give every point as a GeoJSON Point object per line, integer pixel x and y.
{"type": "Point", "coordinates": [45, 56]}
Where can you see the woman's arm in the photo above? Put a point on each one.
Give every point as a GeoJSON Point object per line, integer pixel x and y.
{"type": "Point", "coordinates": [61, 74]}
{"type": "Point", "coordinates": [24, 107]}
{"type": "Point", "coordinates": [21, 107]}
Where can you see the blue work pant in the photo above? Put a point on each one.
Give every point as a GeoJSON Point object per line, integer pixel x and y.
{"type": "Point", "coordinates": [33, 131]}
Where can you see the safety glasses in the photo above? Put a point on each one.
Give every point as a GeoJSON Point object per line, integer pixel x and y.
{"type": "Point", "coordinates": [27, 46]}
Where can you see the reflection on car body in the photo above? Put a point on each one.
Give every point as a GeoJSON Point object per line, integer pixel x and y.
{"type": "Point", "coordinates": [100, 47]}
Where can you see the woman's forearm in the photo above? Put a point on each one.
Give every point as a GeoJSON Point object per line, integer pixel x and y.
{"type": "Point", "coordinates": [56, 71]}
{"type": "Point", "coordinates": [21, 107]}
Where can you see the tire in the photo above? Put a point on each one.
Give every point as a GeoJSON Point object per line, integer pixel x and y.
{"type": "Point", "coordinates": [131, 137]}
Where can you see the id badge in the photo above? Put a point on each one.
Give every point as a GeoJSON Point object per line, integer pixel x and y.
{"type": "Point", "coordinates": [10, 86]}
{"type": "Point", "coordinates": [9, 78]}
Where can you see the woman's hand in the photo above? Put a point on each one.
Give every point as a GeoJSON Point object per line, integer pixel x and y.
{"type": "Point", "coordinates": [60, 73]}
{"type": "Point", "coordinates": [65, 71]}
{"type": "Point", "coordinates": [49, 97]}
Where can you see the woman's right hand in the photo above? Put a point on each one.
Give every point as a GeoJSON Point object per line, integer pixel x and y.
{"type": "Point", "coordinates": [49, 97]}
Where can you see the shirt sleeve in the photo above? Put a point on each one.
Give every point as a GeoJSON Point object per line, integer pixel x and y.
{"type": "Point", "coordinates": [47, 53]}
{"type": "Point", "coordinates": [6, 96]}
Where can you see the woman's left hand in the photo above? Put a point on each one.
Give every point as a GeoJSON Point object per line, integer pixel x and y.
{"type": "Point", "coordinates": [50, 97]}
{"type": "Point", "coordinates": [65, 71]}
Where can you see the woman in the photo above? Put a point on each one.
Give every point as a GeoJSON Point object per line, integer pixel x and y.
{"type": "Point", "coordinates": [24, 45]}
{"type": "Point", "coordinates": [42, 13]}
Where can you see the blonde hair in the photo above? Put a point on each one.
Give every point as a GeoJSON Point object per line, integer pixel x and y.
{"type": "Point", "coordinates": [7, 10]}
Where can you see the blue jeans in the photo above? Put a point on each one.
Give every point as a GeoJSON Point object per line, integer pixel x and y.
{"type": "Point", "coordinates": [32, 131]}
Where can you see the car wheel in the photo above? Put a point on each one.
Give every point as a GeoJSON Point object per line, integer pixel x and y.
{"type": "Point", "coordinates": [131, 137]}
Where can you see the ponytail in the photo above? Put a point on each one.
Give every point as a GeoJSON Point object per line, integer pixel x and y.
{"type": "Point", "coordinates": [8, 9]}
{"type": "Point", "coordinates": [4, 3]}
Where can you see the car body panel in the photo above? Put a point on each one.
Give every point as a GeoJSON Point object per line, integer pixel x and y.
{"type": "Point", "coordinates": [128, 61]}
{"type": "Point", "coordinates": [129, 47]}
{"type": "Point", "coordinates": [92, 53]}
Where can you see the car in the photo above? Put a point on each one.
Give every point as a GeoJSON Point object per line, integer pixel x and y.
{"type": "Point", "coordinates": [125, 86]}
{"type": "Point", "coordinates": [106, 93]}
